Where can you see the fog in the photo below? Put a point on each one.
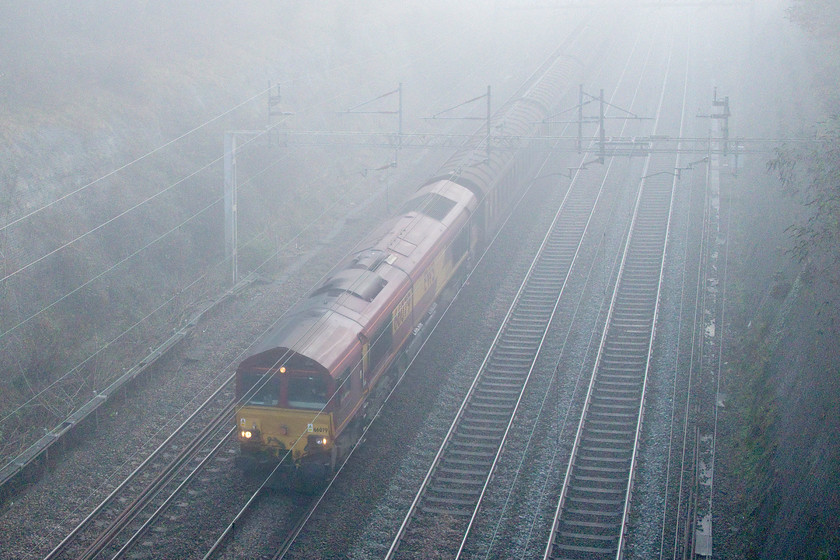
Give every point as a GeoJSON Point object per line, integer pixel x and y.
{"type": "Point", "coordinates": [113, 113]}
{"type": "Point", "coordinates": [56, 53]}
{"type": "Point", "coordinates": [113, 119]}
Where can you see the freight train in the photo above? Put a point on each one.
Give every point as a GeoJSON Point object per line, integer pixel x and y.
{"type": "Point", "coordinates": [314, 382]}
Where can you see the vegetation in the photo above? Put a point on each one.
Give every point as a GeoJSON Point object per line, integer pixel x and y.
{"type": "Point", "coordinates": [88, 87]}
{"type": "Point", "coordinates": [811, 173]}
{"type": "Point", "coordinates": [112, 116]}
{"type": "Point", "coordinates": [784, 466]}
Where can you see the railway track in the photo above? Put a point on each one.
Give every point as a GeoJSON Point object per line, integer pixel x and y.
{"type": "Point", "coordinates": [460, 473]}
{"type": "Point", "coordinates": [687, 516]}
{"type": "Point", "coordinates": [596, 492]}
{"type": "Point", "coordinates": [118, 522]}
{"type": "Point", "coordinates": [597, 483]}
{"type": "Point", "coordinates": [128, 513]}
{"type": "Point", "coordinates": [592, 512]}
{"type": "Point", "coordinates": [451, 494]}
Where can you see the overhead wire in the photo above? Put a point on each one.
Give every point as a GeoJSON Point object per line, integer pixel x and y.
{"type": "Point", "coordinates": [438, 45]}
{"type": "Point", "coordinates": [166, 302]}
{"type": "Point", "coordinates": [130, 163]}
{"type": "Point", "coordinates": [127, 211]}
{"type": "Point", "coordinates": [121, 261]}
{"type": "Point", "coordinates": [195, 129]}
{"type": "Point", "coordinates": [159, 238]}
{"type": "Point", "coordinates": [335, 203]}
{"type": "Point", "coordinates": [284, 359]}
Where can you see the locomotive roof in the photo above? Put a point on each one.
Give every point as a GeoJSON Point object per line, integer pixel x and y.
{"type": "Point", "coordinates": [358, 295]}
{"type": "Point", "coordinates": [313, 324]}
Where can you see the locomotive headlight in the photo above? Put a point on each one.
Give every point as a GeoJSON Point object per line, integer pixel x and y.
{"type": "Point", "coordinates": [320, 441]}
{"type": "Point", "coordinates": [246, 434]}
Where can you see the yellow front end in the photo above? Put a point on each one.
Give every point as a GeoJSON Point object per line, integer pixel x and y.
{"type": "Point", "coordinates": [267, 434]}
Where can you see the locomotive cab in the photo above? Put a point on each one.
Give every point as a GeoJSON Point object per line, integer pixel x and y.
{"type": "Point", "coordinates": [283, 412]}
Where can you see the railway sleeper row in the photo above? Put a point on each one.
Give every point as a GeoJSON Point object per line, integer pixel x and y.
{"type": "Point", "coordinates": [459, 477]}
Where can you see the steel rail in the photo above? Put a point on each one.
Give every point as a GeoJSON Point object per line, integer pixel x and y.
{"type": "Point", "coordinates": [191, 447]}
{"type": "Point", "coordinates": [536, 280]}
{"type": "Point", "coordinates": [592, 510]}
{"type": "Point", "coordinates": [610, 163]}
{"type": "Point", "coordinates": [162, 507]}
{"type": "Point", "coordinates": [469, 453]}
{"type": "Point", "coordinates": [625, 516]}
{"type": "Point", "coordinates": [696, 326]}
{"type": "Point", "coordinates": [298, 527]}
{"type": "Point", "coordinates": [133, 510]}
{"type": "Point", "coordinates": [451, 435]}
{"type": "Point", "coordinates": [292, 535]}
{"type": "Point", "coordinates": [698, 537]}
{"type": "Point", "coordinates": [696, 329]}
{"type": "Point", "coordinates": [550, 320]}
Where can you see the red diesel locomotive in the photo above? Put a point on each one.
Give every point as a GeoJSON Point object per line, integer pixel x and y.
{"type": "Point", "coordinates": [305, 393]}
